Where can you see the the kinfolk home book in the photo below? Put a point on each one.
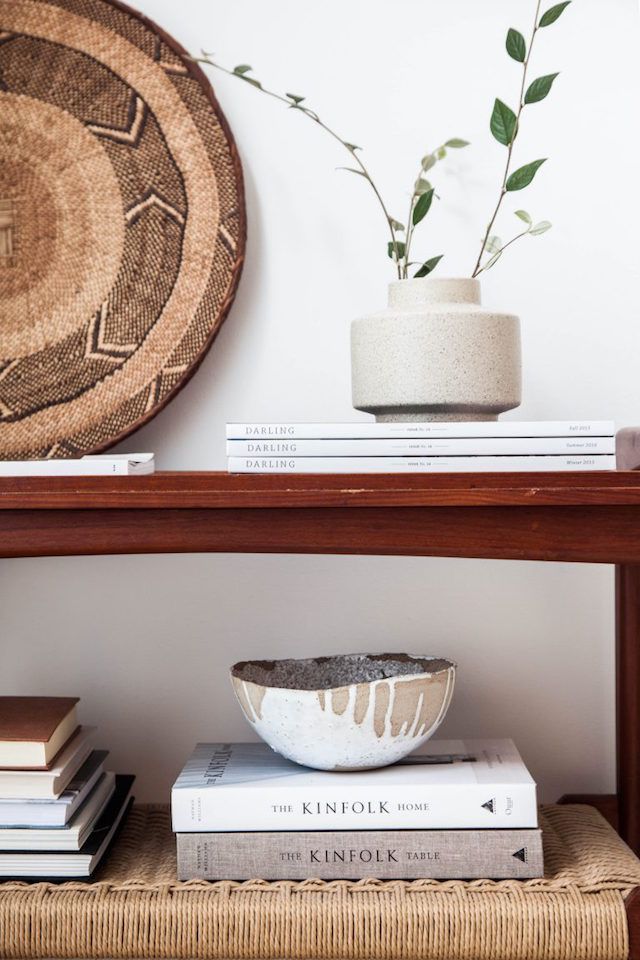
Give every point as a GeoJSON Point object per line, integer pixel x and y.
{"type": "Point", "coordinates": [449, 784]}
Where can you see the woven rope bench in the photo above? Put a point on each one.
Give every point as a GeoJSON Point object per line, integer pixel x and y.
{"type": "Point", "coordinates": [136, 908]}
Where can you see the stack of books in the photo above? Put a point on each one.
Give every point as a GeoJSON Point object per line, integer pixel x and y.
{"type": "Point", "coordinates": [452, 810]}
{"type": "Point", "coordinates": [59, 808]}
{"type": "Point", "coordinates": [436, 446]}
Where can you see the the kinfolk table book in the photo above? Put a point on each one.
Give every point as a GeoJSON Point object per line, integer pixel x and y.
{"type": "Point", "coordinates": [355, 854]}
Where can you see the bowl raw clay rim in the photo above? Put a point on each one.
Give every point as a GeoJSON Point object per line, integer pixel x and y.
{"type": "Point", "coordinates": [237, 669]}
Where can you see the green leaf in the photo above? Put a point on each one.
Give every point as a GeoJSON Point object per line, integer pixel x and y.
{"type": "Point", "coordinates": [539, 89]}
{"type": "Point", "coordinates": [242, 69]}
{"type": "Point", "coordinates": [398, 246]}
{"type": "Point", "coordinates": [492, 261]}
{"type": "Point", "coordinates": [516, 45]}
{"type": "Point", "coordinates": [421, 186]}
{"type": "Point", "coordinates": [353, 170]}
{"type": "Point", "coordinates": [441, 153]}
{"type": "Point", "coordinates": [524, 175]}
{"type": "Point", "coordinates": [428, 266]}
{"type": "Point", "coordinates": [503, 123]}
{"type": "Point", "coordinates": [523, 215]}
{"type": "Point", "coordinates": [352, 147]}
{"type": "Point", "coordinates": [295, 97]}
{"type": "Point", "coordinates": [396, 225]}
{"type": "Point", "coordinates": [421, 208]}
{"type": "Point", "coordinates": [254, 83]}
{"type": "Point", "coordinates": [493, 244]}
{"type": "Point", "coordinates": [456, 143]}
{"type": "Point", "coordinates": [428, 162]}
{"type": "Point", "coordinates": [553, 13]}
{"type": "Point", "coordinates": [539, 228]}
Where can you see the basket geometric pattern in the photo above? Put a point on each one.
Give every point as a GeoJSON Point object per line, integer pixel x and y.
{"type": "Point", "coordinates": [122, 223]}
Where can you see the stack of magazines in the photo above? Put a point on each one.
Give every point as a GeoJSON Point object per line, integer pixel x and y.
{"type": "Point", "coordinates": [428, 447]}
{"type": "Point", "coordinates": [452, 810]}
{"type": "Point", "coordinates": [59, 808]}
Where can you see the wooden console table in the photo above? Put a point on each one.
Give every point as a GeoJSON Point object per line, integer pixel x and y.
{"type": "Point", "coordinates": [584, 517]}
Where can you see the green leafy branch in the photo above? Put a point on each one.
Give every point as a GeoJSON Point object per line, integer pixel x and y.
{"type": "Point", "coordinates": [423, 193]}
{"type": "Point", "coordinates": [419, 206]}
{"type": "Point", "coordinates": [505, 124]}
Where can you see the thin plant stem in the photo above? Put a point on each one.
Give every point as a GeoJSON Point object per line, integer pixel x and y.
{"type": "Point", "coordinates": [410, 226]}
{"type": "Point", "coordinates": [503, 248]}
{"type": "Point", "coordinates": [409, 232]}
{"type": "Point", "coordinates": [503, 188]}
{"type": "Point", "coordinates": [316, 119]}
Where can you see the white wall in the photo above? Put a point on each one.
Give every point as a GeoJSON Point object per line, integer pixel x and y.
{"type": "Point", "coordinates": [147, 641]}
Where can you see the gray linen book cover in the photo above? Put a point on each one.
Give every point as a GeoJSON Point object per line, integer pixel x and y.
{"type": "Point", "coordinates": [356, 854]}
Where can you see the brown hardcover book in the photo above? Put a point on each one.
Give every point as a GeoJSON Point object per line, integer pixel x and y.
{"type": "Point", "coordinates": [33, 730]}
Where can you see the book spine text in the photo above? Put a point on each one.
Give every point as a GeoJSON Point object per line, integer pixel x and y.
{"type": "Point", "coordinates": [367, 429]}
{"type": "Point", "coordinates": [435, 447]}
{"type": "Point", "coordinates": [388, 854]}
{"type": "Point", "coordinates": [477, 806]}
{"type": "Point", "coordinates": [394, 464]}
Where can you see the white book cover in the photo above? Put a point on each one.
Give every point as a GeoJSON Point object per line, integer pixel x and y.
{"type": "Point", "coordinates": [112, 464]}
{"type": "Point", "coordinates": [447, 784]}
{"type": "Point", "coordinates": [49, 784]}
{"type": "Point", "coordinates": [55, 813]}
{"type": "Point", "coordinates": [70, 837]}
{"type": "Point", "coordinates": [370, 430]}
{"type": "Point", "coordinates": [424, 446]}
{"type": "Point", "coordinates": [73, 863]}
{"type": "Point", "coordinates": [419, 464]}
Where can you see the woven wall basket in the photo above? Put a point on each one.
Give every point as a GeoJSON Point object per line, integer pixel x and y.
{"type": "Point", "coordinates": [122, 224]}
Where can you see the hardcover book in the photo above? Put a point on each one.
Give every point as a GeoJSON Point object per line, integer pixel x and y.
{"type": "Point", "coordinates": [49, 784]}
{"type": "Point", "coordinates": [70, 837]}
{"type": "Point", "coordinates": [367, 429]}
{"type": "Point", "coordinates": [448, 784]}
{"type": "Point", "coordinates": [34, 729]}
{"type": "Point", "coordinates": [55, 813]}
{"type": "Point", "coordinates": [419, 464]}
{"type": "Point", "coordinates": [356, 854]}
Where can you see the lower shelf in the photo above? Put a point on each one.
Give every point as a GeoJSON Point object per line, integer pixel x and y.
{"type": "Point", "coordinates": [136, 908]}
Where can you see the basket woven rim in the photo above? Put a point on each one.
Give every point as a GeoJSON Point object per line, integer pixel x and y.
{"type": "Point", "coordinates": [200, 76]}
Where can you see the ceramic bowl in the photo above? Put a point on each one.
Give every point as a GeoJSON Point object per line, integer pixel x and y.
{"type": "Point", "coordinates": [351, 712]}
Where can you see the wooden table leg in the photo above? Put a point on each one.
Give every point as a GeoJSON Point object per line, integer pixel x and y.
{"type": "Point", "coordinates": [628, 701]}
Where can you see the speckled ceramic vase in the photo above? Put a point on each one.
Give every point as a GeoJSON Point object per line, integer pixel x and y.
{"type": "Point", "coordinates": [436, 354]}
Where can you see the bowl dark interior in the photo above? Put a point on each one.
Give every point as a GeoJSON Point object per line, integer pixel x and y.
{"type": "Point", "coordinates": [325, 673]}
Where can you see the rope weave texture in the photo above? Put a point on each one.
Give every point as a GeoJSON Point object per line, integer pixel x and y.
{"type": "Point", "coordinates": [135, 908]}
